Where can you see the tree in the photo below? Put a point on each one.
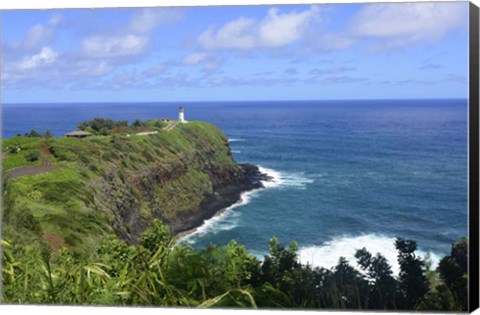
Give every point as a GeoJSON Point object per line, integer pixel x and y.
{"type": "Point", "coordinates": [138, 123]}
{"type": "Point", "coordinates": [97, 124]}
{"type": "Point", "coordinates": [280, 277]}
{"type": "Point", "coordinates": [453, 271]}
{"type": "Point", "coordinates": [101, 125]}
{"type": "Point", "coordinates": [48, 134]}
{"type": "Point", "coordinates": [352, 288]}
{"type": "Point", "coordinates": [280, 261]}
{"type": "Point", "coordinates": [439, 298]}
{"type": "Point", "coordinates": [34, 134]}
{"type": "Point", "coordinates": [412, 281]}
{"type": "Point", "coordinates": [383, 287]}
{"type": "Point", "coordinates": [121, 123]}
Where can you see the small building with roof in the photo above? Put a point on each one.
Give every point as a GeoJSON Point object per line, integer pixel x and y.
{"type": "Point", "coordinates": [78, 134]}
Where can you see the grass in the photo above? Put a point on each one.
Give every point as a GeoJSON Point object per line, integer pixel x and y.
{"type": "Point", "coordinates": [101, 181]}
{"type": "Point", "coordinates": [13, 160]}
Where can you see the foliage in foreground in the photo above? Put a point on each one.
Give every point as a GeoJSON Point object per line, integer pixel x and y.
{"type": "Point", "coordinates": [160, 272]}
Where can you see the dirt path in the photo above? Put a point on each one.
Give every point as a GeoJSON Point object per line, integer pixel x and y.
{"type": "Point", "coordinates": [171, 126]}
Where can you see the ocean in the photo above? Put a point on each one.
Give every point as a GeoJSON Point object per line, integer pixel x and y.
{"type": "Point", "coordinates": [347, 174]}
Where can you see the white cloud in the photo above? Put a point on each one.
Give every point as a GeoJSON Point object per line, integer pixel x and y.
{"type": "Point", "coordinates": [32, 61]}
{"type": "Point", "coordinates": [236, 34]}
{"type": "Point", "coordinates": [399, 24]}
{"type": "Point", "coordinates": [114, 46]}
{"type": "Point", "coordinates": [135, 36]}
{"type": "Point", "coordinates": [275, 30]}
{"type": "Point", "coordinates": [44, 57]}
{"type": "Point", "coordinates": [278, 30]}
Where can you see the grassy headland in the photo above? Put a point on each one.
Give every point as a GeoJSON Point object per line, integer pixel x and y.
{"type": "Point", "coordinates": [118, 183]}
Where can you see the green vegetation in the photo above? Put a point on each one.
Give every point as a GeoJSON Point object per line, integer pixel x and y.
{"type": "Point", "coordinates": [99, 229]}
{"type": "Point", "coordinates": [18, 151]}
{"type": "Point", "coordinates": [113, 185]}
{"type": "Point", "coordinates": [158, 272]}
{"type": "Point", "coordinates": [32, 155]}
{"type": "Point", "coordinates": [33, 134]}
{"type": "Point", "coordinates": [102, 126]}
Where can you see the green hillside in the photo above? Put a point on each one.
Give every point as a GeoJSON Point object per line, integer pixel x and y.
{"type": "Point", "coordinates": [117, 184]}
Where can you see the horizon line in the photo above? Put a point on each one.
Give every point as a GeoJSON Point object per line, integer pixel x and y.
{"type": "Point", "coordinates": [234, 101]}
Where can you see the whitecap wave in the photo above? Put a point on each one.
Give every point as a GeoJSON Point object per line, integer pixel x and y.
{"type": "Point", "coordinates": [284, 179]}
{"type": "Point", "coordinates": [236, 151]}
{"type": "Point", "coordinates": [235, 140]}
{"type": "Point", "coordinates": [327, 254]}
{"type": "Point", "coordinates": [275, 177]}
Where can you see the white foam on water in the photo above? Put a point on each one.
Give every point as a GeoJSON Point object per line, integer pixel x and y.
{"type": "Point", "coordinates": [236, 151]}
{"type": "Point", "coordinates": [235, 140]}
{"type": "Point", "coordinates": [227, 220]}
{"type": "Point", "coordinates": [284, 179]}
{"type": "Point", "coordinates": [276, 177]}
{"type": "Point", "coordinates": [296, 180]}
{"type": "Point", "coordinates": [327, 254]}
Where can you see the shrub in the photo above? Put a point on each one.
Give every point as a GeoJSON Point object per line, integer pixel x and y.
{"type": "Point", "coordinates": [14, 149]}
{"type": "Point", "coordinates": [32, 155]}
{"type": "Point", "coordinates": [158, 234]}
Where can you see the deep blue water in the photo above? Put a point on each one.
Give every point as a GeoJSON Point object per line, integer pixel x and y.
{"type": "Point", "coordinates": [351, 173]}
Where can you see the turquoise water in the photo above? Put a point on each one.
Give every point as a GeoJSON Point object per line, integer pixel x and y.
{"type": "Point", "coordinates": [347, 174]}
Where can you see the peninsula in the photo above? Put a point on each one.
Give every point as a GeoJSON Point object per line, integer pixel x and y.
{"type": "Point", "coordinates": [116, 178]}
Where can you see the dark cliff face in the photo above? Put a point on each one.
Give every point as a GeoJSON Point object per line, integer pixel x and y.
{"type": "Point", "coordinates": [223, 196]}
{"type": "Point", "coordinates": [183, 190]}
{"type": "Point", "coordinates": [125, 197]}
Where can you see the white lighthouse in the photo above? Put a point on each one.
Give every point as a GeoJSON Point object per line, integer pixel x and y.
{"type": "Point", "coordinates": [181, 115]}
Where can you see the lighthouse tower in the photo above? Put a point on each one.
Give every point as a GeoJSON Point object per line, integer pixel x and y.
{"type": "Point", "coordinates": [181, 115]}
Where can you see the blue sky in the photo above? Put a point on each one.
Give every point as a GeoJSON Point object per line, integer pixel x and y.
{"type": "Point", "coordinates": [325, 51]}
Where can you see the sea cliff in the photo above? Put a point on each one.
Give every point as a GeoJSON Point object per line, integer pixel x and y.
{"type": "Point", "coordinates": [118, 184]}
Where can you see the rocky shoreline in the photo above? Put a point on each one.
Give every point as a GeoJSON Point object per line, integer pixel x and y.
{"type": "Point", "coordinates": [222, 198]}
